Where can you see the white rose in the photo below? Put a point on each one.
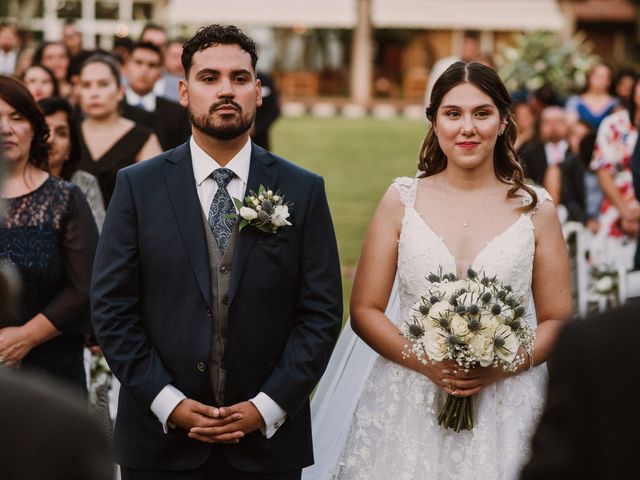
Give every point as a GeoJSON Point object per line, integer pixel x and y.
{"type": "Point", "coordinates": [448, 289]}
{"type": "Point", "coordinates": [248, 213]}
{"type": "Point", "coordinates": [488, 324]}
{"type": "Point", "coordinates": [505, 343]}
{"type": "Point", "coordinates": [468, 299]}
{"type": "Point", "coordinates": [435, 344]}
{"type": "Point", "coordinates": [280, 215]}
{"type": "Point", "coordinates": [481, 348]}
{"type": "Point", "coordinates": [440, 309]}
{"type": "Point", "coordinates": [604, 285]}
{"type": "Point", "coordinates": [460, 328]}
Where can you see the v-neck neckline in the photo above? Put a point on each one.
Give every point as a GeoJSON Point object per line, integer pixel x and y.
{"type": "Point", "coordinates": [482, 250]}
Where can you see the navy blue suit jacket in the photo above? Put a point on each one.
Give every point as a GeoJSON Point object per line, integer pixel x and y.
{"type": "Point", "coordinates": [151, 302]}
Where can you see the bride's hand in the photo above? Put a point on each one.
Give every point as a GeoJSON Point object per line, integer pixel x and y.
{"type": "Point", "coordinates": [434, 372]}
{"type": "Point", "coordinates": [464, 384]}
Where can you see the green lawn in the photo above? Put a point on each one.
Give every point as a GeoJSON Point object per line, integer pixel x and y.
{"type": "Point", "coordinates": [358, 160]}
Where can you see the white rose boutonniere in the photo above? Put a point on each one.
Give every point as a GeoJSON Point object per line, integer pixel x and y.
{"type": "Point", "coordinates": [265, 210]}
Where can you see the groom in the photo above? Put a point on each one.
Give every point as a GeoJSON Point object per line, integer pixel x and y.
{"type": "Point", "coordinates": [218, 336]}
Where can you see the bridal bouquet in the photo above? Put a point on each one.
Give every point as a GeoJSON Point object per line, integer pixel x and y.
{"type": "Point", "coordinates": [476, 321]}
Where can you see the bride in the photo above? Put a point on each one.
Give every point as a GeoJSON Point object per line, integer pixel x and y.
{"type": "Point", "coordinates": [376, 415]}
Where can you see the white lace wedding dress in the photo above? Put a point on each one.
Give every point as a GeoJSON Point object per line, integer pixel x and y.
{"type": "Point", "coordinates": [391, 430]}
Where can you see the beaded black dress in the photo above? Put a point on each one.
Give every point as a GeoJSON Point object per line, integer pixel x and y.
{"type": "Point", "coordinates": [50, 237]}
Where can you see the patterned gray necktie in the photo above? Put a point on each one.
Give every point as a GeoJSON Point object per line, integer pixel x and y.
{"type": "Point", "coordinates": [221, 206]}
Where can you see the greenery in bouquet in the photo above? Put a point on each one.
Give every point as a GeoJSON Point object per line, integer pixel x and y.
{"type": "Point", "coordinates": [540, 58]}
{"type": "Point", "coordinates": [475, 322]}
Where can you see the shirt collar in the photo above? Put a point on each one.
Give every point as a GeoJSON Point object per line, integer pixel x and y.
{"type": "Point", "coordinates": [148, 100]}
{"type": "Point", "coordinates": [204, 165]}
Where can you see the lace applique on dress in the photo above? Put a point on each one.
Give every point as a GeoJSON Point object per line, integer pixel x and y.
{"type": "Point", "coordinates": [394, 432]}
{"type": "Point", "coordinates": [407, 188]}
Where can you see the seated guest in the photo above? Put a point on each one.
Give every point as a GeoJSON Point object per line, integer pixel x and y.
{"type": "Point", "coordinates": [595, 102]}
{"type": "Point", "coordinates": [581, 192]}
{"type": "Point", "coordinates": [169, 120]}
{"type": "Point", "coordinates": [546, 150]}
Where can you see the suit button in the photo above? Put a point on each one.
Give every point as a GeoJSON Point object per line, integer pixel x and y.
{"type": "Point", "coordinates": [208, 312]}
{"type": "Point", "coordinates": [225, 300]}
{"type": "Point", "coordinates": [223, 269]}
{"type": "Point", "coordinates": [201, 367]}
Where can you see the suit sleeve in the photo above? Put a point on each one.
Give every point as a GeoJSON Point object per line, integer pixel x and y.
{"type": "Point", "coordinates": [115, 293]}
{"type": "Point", "coordinates": [561, 445]}
{"type": "Point", "coordinates": [319, 311]}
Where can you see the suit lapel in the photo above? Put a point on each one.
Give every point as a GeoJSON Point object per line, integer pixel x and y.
{"type": "Point", "coordinates": [261, 172]}
{"type": "Point", "coordinates": [180, 182]}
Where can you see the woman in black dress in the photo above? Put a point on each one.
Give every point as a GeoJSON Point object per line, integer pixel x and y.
{"type": "Point", "coordinates": [48, 234]}
{"type": "Point", "coordinates": [108, 141]}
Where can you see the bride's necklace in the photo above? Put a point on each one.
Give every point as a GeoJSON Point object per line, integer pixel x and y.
{"type": "Point", "coordinates": [474, 214]}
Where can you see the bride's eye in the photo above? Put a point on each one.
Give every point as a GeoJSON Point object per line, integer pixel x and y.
{"type": "Point", "coordinates": [452, 114]}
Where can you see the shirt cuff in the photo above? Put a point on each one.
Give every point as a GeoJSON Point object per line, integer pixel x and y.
{"type": "Point", "coordinates": [272, 414]}
{"type": "Point", "coordinates": [164, 403]}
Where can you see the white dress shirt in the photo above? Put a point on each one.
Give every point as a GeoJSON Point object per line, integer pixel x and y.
{"type": "Point", "coordinates": [147, 102]}
{"type": "Point", "coordinates": [8, 62]}
{"type": "Point", "coordinates": [555, 152]}
{"type": "Point", "coordinates": [203, 166]}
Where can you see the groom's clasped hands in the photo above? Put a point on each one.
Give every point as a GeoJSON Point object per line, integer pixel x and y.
{"type": "Point", "coordinates": [216, 425]}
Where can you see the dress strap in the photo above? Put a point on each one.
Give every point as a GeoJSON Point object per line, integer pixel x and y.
{"type": "Point", "coordinates": [542, 195]}
{"type": "Point", "coordinates": [406, 187]}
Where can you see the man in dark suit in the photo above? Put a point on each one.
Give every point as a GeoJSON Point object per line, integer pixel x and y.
{"type": "Point", "coordinates": [589, 428]}
{"type": "Point", "coordinates": [548, 148]}
{"type": "Point", "coordinates": [268, 112]}
{"type": "Point", "coordinates": [169, 120]}
{"type": "Point", "coordinates": [217, 335]}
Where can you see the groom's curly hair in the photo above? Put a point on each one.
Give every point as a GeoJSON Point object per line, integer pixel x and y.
{"type": "Point", "coordinates": [213, 35]}
{"type": "Point", "coordinates": [505, 159]}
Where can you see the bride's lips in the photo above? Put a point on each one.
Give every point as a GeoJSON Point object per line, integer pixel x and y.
{"type": "Point", "coordinates": [468, 144]}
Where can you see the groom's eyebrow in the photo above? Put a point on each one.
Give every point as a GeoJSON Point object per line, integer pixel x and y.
{"type": "Point", "coordinates": [484, 105]}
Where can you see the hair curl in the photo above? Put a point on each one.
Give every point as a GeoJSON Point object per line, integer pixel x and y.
{"type": "Point", "coordinates": [18, 96]}
{"type": "Point", "coordinates": [506, 164]}
{"type": "Point", "coordinates": [213, 35]}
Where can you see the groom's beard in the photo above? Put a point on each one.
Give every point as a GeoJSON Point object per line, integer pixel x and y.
{"type": "Point", "coordinates": [222, 128]}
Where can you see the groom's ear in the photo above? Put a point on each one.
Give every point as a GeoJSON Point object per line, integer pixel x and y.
{"type": "Point", "coordinates": [183, 91]}
{"type": "Point", "coordinates": [258, 92]}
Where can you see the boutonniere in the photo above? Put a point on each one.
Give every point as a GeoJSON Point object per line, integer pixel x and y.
{"type": "Point", "coordinates": [264, 210]}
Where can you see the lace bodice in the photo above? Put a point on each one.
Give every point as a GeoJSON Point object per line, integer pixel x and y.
{"type": "Point", "coordinates": [509, 256]}
{"type": "Point", "coordinates": [394, 431]}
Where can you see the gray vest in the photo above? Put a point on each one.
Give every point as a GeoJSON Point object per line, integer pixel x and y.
{"type": "Point", "coordinates": [220, 269]}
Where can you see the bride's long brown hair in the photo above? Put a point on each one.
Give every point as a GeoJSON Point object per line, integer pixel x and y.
{"type": "Point", "coordinates": [505, 159]}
